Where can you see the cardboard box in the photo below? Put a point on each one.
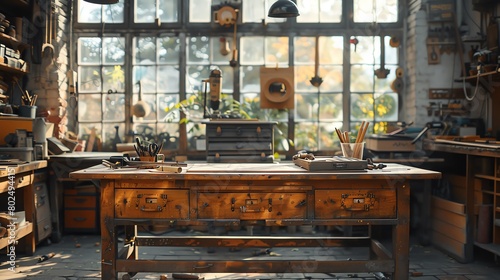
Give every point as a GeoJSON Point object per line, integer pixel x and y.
{"type": "Point", "coordinates": [383, 143]}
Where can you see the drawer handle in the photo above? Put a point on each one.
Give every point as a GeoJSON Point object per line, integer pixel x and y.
{"type": "Point", "coordinates": [203, 266]}
{"type": "Point", "coordinates": [157, 209]}
{"type": "Point", "coordinates": [219, 130]}
{"type": "Point", "coordinates": [80, 200]}
{"type": "Point", "coordinates": [80, 219]}
{"type": "Point", "coordinates": [239, 131]}
{"type": "Point", "coordinates": [46, 227]}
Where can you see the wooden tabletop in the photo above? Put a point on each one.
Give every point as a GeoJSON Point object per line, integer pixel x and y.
{"type": "Point", "coordinates": [6, 170]}
{"type": "Point", "coordinates": [254, 171]}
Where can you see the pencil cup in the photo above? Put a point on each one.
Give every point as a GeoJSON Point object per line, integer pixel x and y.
{"type": "Point", "coordinates": [353, 150]}
{"type": "Point", "coordinates": [27, 111]}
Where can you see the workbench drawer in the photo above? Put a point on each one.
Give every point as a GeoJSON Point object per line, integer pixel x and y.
{"type": "Point", "coordinates": [83, 201]}
{"type": "Point", "coordinates": [356, 204]}
{"type": "Point", "coordinates": [252, 206]}
{"type": "Point", "coordinates": [80, 219]}
{"type": "Point", "coordinates": [18, 182]}
{"type": "Point", "coordinates": [152, 203]}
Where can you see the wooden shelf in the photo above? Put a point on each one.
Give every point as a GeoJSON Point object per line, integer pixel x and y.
{"type": "Point", "coordinates": [487, 177]}
{"type": "Point", "coordinates": [491, 247]}
{"type": "Point", "coordinates": [20, 233]}
{"type": "Point", "coordinates": [10, 41]}
{"type": "Point", "coordinates": [493, 74]}
{"type": "Point", "coordinates": [6, 68]}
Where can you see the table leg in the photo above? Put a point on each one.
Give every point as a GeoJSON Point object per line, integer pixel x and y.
{"type": "Point", "coordinates": [109, 237]}
{"type": "Point", "coordinates": [401, 234]}
{"type": "Point", "coordinates": [424, 234]}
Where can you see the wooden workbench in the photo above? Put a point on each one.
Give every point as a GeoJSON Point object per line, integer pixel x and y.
{"type": "Point", "coordinates": [244, 194]}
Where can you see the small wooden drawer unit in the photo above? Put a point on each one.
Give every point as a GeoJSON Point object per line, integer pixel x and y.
{"type": "Point", "coordinates": [252, 206]}
{"type": "Point", "coordinates": [240, 141]}
{"type": "Point", "coordinates": [81, 209]}
{"type": "Point", "coordinates": [355, 203]}
{"type": "Point", "coordinates": [152, 203]}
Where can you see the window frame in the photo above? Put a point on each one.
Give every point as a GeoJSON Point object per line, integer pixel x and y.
{"type": "Point", "coordinates": [345, 28]}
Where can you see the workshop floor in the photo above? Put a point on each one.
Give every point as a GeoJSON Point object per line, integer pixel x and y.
{"type": "Point", "coordinates": [77, 257]}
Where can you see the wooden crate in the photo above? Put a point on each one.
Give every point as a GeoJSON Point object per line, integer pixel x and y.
{"type": "Point", "coordinates": [449, 227]}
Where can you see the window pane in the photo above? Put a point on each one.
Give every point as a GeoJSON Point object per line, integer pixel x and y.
{"type": "Point", "coordinates": [168, 50]}
{"type": "Point", "coordinates": [227, 79]}
{"type": "Point", "coordinates": [362, 78]}
{"type": "Point", "coordinates": [114, 107]}
{"type": "Point", "coordinates": [306, 107]}
{"type": "Point", "coordinates": [333, 78]}
{"type": "Point", "coordinates": [168, 79]}
{"type": "Point", "coordinates": [114, 50]}
{"type": "Point", "coordinates": [386, 106]}
{"type": "Point", "coordinates": [253, 11]}
{"type": "Point", "coordinates": [89, 78]}
{"type": "Point", "coordinates": [331, 50]}
{"type": "Point", "coordinates": [252, 50]}
{"type": "Point", "coordinates": [88, 12]}
{"type": "Point", "coordinates": [250, 79]}
{"type": "Point", "coordinates": [309, 10]}
{"type": "Point", "coordinates": [391, 54]}
{"type": "Point", "coordinates": [276, 51]}
{"type": "Point", "coordinates": [113, 13]}
{"type": "Point", "coordinates": [166, 102]}
{"type": "Point", "coordinates": [198, 50]}
{"type": "Point", "coordinates": [145, 50]}
{"type": "Point", "coordinates": [384, 85]}
{"type": "Point", "coordinates": [361, 107]}
{"type": "Point", "coordinates": [303, 75]}
{"type": "Point", "coordinates": [330, 11]}
{"type": "Point", "coordinates": [363, 52]}
{"type": "Point", "coordinates": [222, 49]}
{"type": "Point", "coordinates": [145, 10]}
{"type": "Point", "coordinates": [113, 78]}
{"type": "Point", "coordinates": [375, 10]}
{"type": "Point", "coordinates": [330, 107]}
{"type": "Point", "coordinates": [167, 11]}
{"type": "Point", "coordinates": [199, 10]}
{"type": "Point", "coordinates": [328, 139]}
{"type": "Point", "coordinates": [84, 130]}
{"type": "Point", "coordinates": [306, 136]}
{"type": "Point", "coordinates": [304, 50]}
{"type": "Point", "coordinates": [89, 50]}
{"type": "Point", "coordinates": [89, 107]}
{"type": "Point", "coordinates": [147, 76]}
{"type": "Point", "coordinates": [195, 76]}
{"type": "Point", "coordinates": [110, 131]}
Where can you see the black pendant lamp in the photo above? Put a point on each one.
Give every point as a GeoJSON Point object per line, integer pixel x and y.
{"type": "Point", "coordinates": [283, 9]}
{"type": "Point", "coordinates": [102, 2]}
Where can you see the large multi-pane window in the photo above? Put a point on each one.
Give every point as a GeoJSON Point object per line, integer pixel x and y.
{"type": "Point", "coordinates": [162, 51]}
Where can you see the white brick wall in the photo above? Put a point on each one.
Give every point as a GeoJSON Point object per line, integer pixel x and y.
{"type": "Point", "coordinates": [48, 79]}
